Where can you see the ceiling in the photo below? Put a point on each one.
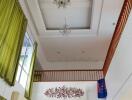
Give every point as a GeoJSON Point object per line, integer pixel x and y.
{"type": "Point", "coordinates": [75, 11]}
{"type": "Point", "coordinates": [75, 48]}
{"type": "Point", "coordinates": [91, 24]}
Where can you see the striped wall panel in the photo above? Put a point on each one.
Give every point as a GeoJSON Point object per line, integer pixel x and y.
{"type": "Point", "coordinates": [50, 76]}
{"type": "Point", "coordinates": [125, 12]}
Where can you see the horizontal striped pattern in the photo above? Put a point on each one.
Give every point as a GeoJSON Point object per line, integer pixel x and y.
{"type": "Point", "coordinates": [125, 12]}
{"type": "Point", "coordinates": [50, 76]}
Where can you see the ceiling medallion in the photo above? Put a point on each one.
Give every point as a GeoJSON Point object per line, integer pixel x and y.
{"type": "Point", "coordinates": [61, 3]}
{"type": "Point", "coordinates": [64, 92]}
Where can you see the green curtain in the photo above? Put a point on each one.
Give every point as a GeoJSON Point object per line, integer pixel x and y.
{"type": "Point", "coordinates": [2, 98]}
{"type": "Point", "coordinates": [6, 8]}
{"type": "Point", "coordinates": [12, 29]}
{"type": "Point", "coordinates": [29, 84]}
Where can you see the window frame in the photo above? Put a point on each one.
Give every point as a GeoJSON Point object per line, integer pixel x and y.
{"type": "Point", "coordinates": [21, 66]}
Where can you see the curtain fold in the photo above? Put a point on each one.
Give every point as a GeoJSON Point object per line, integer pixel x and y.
{"type": "Point", "coordinates": [6, 9]}
{"type": "Point", "coordinates": [12, 29]}
{"type": "Point", "coordinates": [29, 84]}
{"type": "Point", "coordinates": [2, 98]}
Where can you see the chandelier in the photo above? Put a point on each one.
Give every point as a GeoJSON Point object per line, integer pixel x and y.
{"type": "Point", "coordinates": [66, 28]}
{"type": "Point", "coordinates": [64, 92]}
{"type": "Point", "coordinates": [61, 3]}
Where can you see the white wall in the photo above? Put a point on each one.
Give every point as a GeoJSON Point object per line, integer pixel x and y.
{"type": "Point", "coordinates": [119, 78]}
{"type": "Point", "coordinates": [6, 90]}
{"type": "Point", "coordinates": [90, 89]}
{"type": "Point", "coordinates": [126, 91]}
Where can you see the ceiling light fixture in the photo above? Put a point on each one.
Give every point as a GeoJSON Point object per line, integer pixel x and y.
{"type": "Point", "coordinates": [61, 3]}
{"type": "Point", "coordinates": [66, 29]}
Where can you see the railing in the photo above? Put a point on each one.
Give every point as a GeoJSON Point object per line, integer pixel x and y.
{"type": "Point", "coordinates": [67, 75]}
{"type": "Point", "coordinates": [127, 6]}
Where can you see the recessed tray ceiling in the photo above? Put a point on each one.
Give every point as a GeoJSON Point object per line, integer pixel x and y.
{"type": "Point", "coordinates": [55, 17]}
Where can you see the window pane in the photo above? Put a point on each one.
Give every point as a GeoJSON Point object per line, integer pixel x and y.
{"type": "Point", "coordinates": [18, 73]}
{"type": "Point", "coordinates": [23, 51]}
{"type": "Point", "coordinates": [28, 58]}
{"type": "Point", "coordinates": [21, 60]}
{"type": "Point", "coordinates": [28, 55]}
{"type": "Point", "coordinates": [23, 79]}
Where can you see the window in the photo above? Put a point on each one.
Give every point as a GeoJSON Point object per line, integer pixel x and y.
{"type": "Point", "coordinates": [25, 60]}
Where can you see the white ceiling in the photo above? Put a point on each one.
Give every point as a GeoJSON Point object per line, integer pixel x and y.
{"type": "Point", "coordinates": [75, 11]}
{"type": "Point", "coordinates": [75, 48]}
{"type": "Point", "coordinates": [83, 48]}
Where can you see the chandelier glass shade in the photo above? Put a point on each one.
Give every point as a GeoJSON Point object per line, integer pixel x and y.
{"type": "Point", "coordinates": [65, 29]}
{"type": "Point", "coordinates": [61, 3]}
